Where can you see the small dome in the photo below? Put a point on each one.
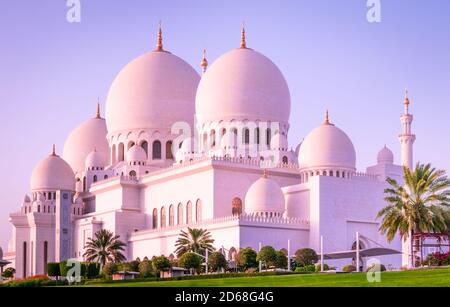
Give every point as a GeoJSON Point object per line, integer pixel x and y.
{"type": "Point", "coordinates": [53, 174]}
{"type": "Point", "coordinates": [265, 196]}
{"type": "Point", "coordinates": [96, 159]}
{"type": "Point", "coordinates": [136, 154]}
{"type": "Point", "coordinates": [243, 85]}
{"type": "Point", "coordinates": [228, 141]}
{"type": "Point", "coordinates": [329, 147]}
{"type": "Point", "coordinates": [90, 134]}
{"type": "Point", "coordinates": [155, 91]}
{"type": "Point", "coordinates": [26, 199]}
{"type": "Point", "coordinates": [385, 156]}
{"type": "Point", "coordinates": [279, 142]}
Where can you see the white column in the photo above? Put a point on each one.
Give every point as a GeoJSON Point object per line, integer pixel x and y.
{"type": "Point", "coordinates": [260, 262]}
{"type": "Point", "coordinates": [357, 251]}
{"type": "Point", "coordinates": [321, 253]}
{"type": "Point", "coordinates": [289, 255]}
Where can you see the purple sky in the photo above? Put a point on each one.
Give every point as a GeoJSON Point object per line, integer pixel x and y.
{"type": "Point", "coordinates": [52, 71]}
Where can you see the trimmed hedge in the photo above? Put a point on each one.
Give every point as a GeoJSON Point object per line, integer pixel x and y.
{"type": "Point", "coordinates": [53, 269]}
{"type": "Point", "coordinates": [349, 268]}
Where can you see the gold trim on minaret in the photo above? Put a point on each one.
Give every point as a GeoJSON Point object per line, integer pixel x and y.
{"type": "Point", "coordinates": [243, 39]}
{"type": "Point", "coordinates": [98, 115]}
{"type": "Point", "coordinates": [204, 62]}
{"type": "Point", "coordinates": [159, 45]}
{"type": "Point", "coordinates": [327, 119]}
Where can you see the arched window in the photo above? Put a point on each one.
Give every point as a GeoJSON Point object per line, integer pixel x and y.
{"type": "Point", "coordinates": [95, 179]}
{"type": "Point", "coordinates": [189, 213]}
{"type": "Point", "coordinates": [84, 184]}
{"type": "Point", "coordinates": [130, 144]}
{"type": "Point", "coordinates": [246, 136]}
{"type": "Point", "coordinates": [212, 138]}
{"type": "Point", "coordinates": [169, 153]}
{"type": "Point", "coordinates": [45, 256]}
{"type": "Point", "coordinates": [156, 150]}
{"type": "Point", "coordinates": [257, 136]}
{"type": "Point", "coordinates": [24, 259]}
{"type": "Point", "coordinates": [268, 136]}
{"type": "Point", "coordinates": [105, 177]}
{"type": "Point", "coordinates": [163, 217]}
{"type": "Point", "coordinates": [171, 216]}
{"type": "Point", "coordinates": [155, 219]}
{"type": "Point", "coordinates": [180, 214]}
{"type": "Point", "coordinates": [121, 156]}
{"type": "Point", "coordinates": [133, 174]}
{"type": "Point", "coordinates": [198, 210]}
{"type": "Point", "coordinates": [236, 206]}
{"type": "Point", "coordinates": [285, 160]}
{"type": "Point", "coordinates": [205, 140]}
{"type": "Point", "coordinates": [144, 145]}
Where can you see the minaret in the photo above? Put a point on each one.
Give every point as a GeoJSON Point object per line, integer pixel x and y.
{"type": "Point", "coordinates": [204, 62]}
{"type": "Point", "coordinates": [407, 138]}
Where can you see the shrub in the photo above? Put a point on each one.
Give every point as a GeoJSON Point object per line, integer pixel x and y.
{"type": "Point", "coordinates": [191, 261]}
{"type": "Point", "coordinates": [246, 259]}
{"type": "Point", "coordinates": [92, 270]}
{"type": "Point", "coordinates": [268, 256]}
{"type": "Point", "coordinates": [305, 256]}
{"type": "Point", "coordinates": [310, 268]}
{"type": "Point", "coordinates": [145, 269]}
{"type": "Point", "coordinates": [217, 261]}
{"type": "Point", "coordinates": [349, 268]}
{"type": "Point", "coordinates": [160, 264]}
{"type": "Point", "coordinates": [63, 269]}
{"type": "Point", "coordinates": [372, 267]}
{"type": "Point", "coordinates": [9, 273]}
{"type": "Point", "coordinates": [319, 267]}
{"type": "Point", "coordinates": [281, 262]}
{"type": "Point", "coordinates": [109, 269]}
{"type": "Point", "coordinates": [437, 259]}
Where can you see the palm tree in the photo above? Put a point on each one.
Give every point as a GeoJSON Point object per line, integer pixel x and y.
{"type": "Point", "coordinates": [104, 248]}
{"type": "Point", "coordinates": [194, 240]}
{"type": "Point", "coordinates": [421, 205]}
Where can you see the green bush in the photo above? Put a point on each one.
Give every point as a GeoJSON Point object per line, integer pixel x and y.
{"type": "Point", "coordinates": [191, 261]}
{"type": "Point", "coordinates": [109, 269]}
{"type": "Point", "coordinates": [92, 270]}
{"type": "Point", "coordinates": [372, 267]}
{"type": "Point", "coordinates": [349, 268]}
{"type": "Point", "coordinates": [217, 261]}
{"type": "Point", "coordinates": [281, 262]}
{"type": "Point", "coordinates": [63, 269]}
{"type": "Point", "coordinates": [319, 267]}
{"type": "Point", "coordinates": [268, 256]}
{"type": "Point", "coordinates": [310, 268]}
{"type": "Point", "coordinates": [246, 259]}
{"type": "Point", "coordinates": [160, 264]}
{"type": "Point", "coordinates": [305, 256]}
{"type": "Point", "coordinates": [9, 273]}
{"type": "Point", "coordinates": [146, 269]}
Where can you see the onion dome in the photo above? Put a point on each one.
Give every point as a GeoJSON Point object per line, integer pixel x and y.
{"type": "Point", "coordinates": [327, 147]}
{"type": "Point", "coordinates": [90, 134]}
{"type": "Point", "coordinates": [154, 91]}
{"type": "Point", "coordinates": [265, 198]}
{"type": "Point", "coordinates": [385, 156]}
{"type": "Point", "coordinates": [136, 154]}
{"type": "Point", "coordinates": [96, 160]}
{"type": "Point", "coordinates": [53, 174]}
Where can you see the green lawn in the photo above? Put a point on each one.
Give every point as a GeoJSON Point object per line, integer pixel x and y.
{"type": "Point", "coordinates": [419, 278]}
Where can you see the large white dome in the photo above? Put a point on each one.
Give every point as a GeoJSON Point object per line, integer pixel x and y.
{"type": "Point", "coordinates": [243, 85]}
{"type": "Point", "coordinates": [153, 91]}
{"type": "Point", "coordinates": [52, 174]}
{"type": "Point", "coordinates": [83, 140]}
{"type": "Point", "coordinates": [327, 147]}
{"type": "Point", "coordinates": [265, 197]}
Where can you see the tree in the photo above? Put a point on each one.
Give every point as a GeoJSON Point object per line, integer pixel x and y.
{"type": "Point", "coordinates": [160, 264]}
{"type": "Point", "coordinates": [281, 261]}
{"type": "Point", "coordinates": [145, 268]}
{"type": "Point", "coordinates": [217, 261]}
{"type": "Point", "coordinates": [109, 268]}
{"type": "Point", "coordinates": [421, 205]}
{"type": "Point", "coordinates": [194, 240]}
{"type": "Point", "coordinates": [191, 261]}
{"type": "Point", "coordinates": [104, 248]}
{"type": "Point", "coordinates": [9, 273]}
{"type": "Point", "coordinates": [246, 259]}
{"type": "Point", "coordinates": [268, 256]}
{"type": "Point", "coordinates": [305, 256]}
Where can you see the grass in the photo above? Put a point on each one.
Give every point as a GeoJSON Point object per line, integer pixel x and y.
{"type": "Point", "coordinates": [417, 278]}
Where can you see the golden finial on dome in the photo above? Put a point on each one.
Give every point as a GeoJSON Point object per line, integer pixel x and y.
{"type": "Point", "coordinates": [327, 119]}
{"type": "Point", "coordinates": [159, 45]}
{"type": "Point", "coordinates": [54, 150]}
{"type": "Point", "coordinates": [98, 115]}
{"type": "Point", "coordinates": [243, 40]}
{"type": "Point", "coordinates": [204, 62]}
